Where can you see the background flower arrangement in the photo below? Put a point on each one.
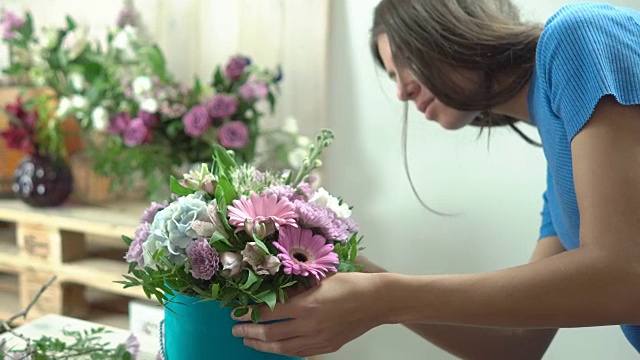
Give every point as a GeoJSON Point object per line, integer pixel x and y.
{"type": "Point", "coordinates": [242, 236]}
{"type": "Point", "coordinates": [137, 120]}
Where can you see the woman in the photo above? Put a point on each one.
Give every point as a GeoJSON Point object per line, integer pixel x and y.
{"type": "Point", "coordinates": [470, 62]}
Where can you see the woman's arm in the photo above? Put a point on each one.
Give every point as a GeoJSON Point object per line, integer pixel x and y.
{"type": "Point", "coordinates": [596, 284]}
{"type": "Point", "coordinates": [468, 342]}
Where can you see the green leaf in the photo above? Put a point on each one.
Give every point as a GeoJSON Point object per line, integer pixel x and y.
{"type": "Point", "coordinates": [127, 240]}
{"type": "Point", "coordinates": [261, 245]}
{"type": "Point", "coordinates": [224, 160]}
{"type": "Point", "coordinates": [251, 279]}
{"type": "Point", "coordinates": [220, 243]}
{"type": "Point", "coordinates": [270, 298]}
{"type": "Point", "coordinates": [228, 192]}
{"type": "Point", "coordinates": [215, 289]}
{"type": "Point", "coordinates": [272, 102]}
{"type": "Point", "coordinates": [70, 23]}
{"type": "Point", "coordinates": [240, 312]}
{"type": "Point", "coordinates": [255, 314]}
{"type": "Point", "coordinates": [218, 79]}
{"type": "Point", "coordinates": [178, 189]}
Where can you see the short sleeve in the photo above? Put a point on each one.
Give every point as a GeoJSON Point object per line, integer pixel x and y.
{"type": "Point", "coordinates": [588, 51]}
{"type": "Point", "coordinates": [546, 227]}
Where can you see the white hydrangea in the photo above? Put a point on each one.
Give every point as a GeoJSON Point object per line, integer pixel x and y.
{"type": "Point", "coordinates": [100, 118]}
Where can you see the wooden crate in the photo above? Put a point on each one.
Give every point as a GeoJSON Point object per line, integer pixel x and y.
{"type": "Point", "coordinates": [81, 245]}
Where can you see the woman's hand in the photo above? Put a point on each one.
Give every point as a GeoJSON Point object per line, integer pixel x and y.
{"type": "Point", "coordinates": [322, 319]}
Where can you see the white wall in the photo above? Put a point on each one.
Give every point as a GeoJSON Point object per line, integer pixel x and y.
{"type": "Point", "coordinates": [496, 191]}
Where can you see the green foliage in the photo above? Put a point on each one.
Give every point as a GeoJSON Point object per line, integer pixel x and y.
{"type": "Point", "coordinates": [84, 344]}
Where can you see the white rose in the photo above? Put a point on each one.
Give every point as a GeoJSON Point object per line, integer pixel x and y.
{"type": "Point", "coordinates": [142, 85]}
{"type": "Point", "coordinates": [149, 105]}
{"type": "Point", "coordinates": [75, 42]}
{"type": "Point", "coordinates": [100, 118]}
{"type": "Point", "coordinates": [51, 38]}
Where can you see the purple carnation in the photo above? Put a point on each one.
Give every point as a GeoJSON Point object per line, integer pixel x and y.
{"type": "Point", "coordinates": [254, 90]}
{"type": "Point", "coordinates": [196, 121]}
{"type": "Point", "coordinates": [283, 192]}
{"type": "Point", "coordinates": [235, 67]}
{"type": "Point", "coordinates": [234, 135]}
{"type": "Point", "coordinates": [352, 225]}
{"type": "Point", "coordinates": [134, 254]}
{"type": "Point", "coordinates": [305, 190]}
{"type": "Point", "coordinates": [336, 230]}
{"type": "Point", "coordinates": [119, 123]}
{"type": "Point", "coordinates": [150, 213]}
{"type": "Point", "coordinates": [313, 215]}
{"type": "Point", "coordinates": [222, 106]}
{"type": "Point", "coordinates": [204, 259]}
{"type": "Point", "coordinates": [136, 133]}
{"type": "Point", "coordinates": [150, 120]}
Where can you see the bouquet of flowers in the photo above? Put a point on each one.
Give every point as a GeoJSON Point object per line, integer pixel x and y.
{"type": "Point", "coordinates": [241, 236]}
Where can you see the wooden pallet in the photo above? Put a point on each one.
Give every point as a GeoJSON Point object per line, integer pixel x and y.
{"type": "Point", "coordinates": [69, 242]}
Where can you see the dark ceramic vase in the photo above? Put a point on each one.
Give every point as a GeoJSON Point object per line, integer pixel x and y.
{"type": "Point", "coordinates": [41, 181]}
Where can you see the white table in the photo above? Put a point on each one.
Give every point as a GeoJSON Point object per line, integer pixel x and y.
{"type": "Point", "coordinates": [52, 325]}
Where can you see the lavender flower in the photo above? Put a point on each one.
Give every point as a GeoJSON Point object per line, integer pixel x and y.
{"type": "Point", "coordinates": [235, 67]}
{"type": "Point", "coordinates": [204, 259]}
{"type": "Point", "coordinates": [136, 133]}
{"type": "Point", "coordinates": [336, 230]}
{"type": "Point", "coordinates": [150, 120]}
{"type": "Point", "coordinates": [132, 345]}
{"type": "Point", "coordinates": [11, 22]}
{"type": "Point", "coordinates": [254, 90]}
{"type": "Point", "coordinates": [305, 190]}
{"type": "Point", "coordinates": [150, 213]}
{"type": "Point", "coordinates": [222, 106]}
{"type": "Point", "coordinates": [313, 215]}
{"type": "Point", "coordinates": [283, 191]}
{"type": "Point", "coordinates": [234, 135]}
{"type": "Point", "coordinates": [135, 253]}
{"type": "Point", "coordinates": [119, 123]}
{"type": "Point", "coordinates": [352, 225]}
{"type": "Point", "coordinates": [196, 121]}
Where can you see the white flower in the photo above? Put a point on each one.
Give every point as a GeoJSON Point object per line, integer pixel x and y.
{"type": "Point", "coordinates": [64, 106]}
{"type": "Point", "coordinates": [303, 141]}
{"type": "Point", "coordinates": [100, 118]}
{"type": "Point", "coordinates": [142, 85]}
{"type": "Point", "coordinates": [296, 156]}
{"type": "Point", "coordinates": [75, 42]}
{"type": "Point", "coordinates": [77, 81]}
{"type": "Point", "coordinates": [290, 125]}
{"type": "Point", "coordinates": [79, 102]}
{"type": "Point", "coordinates": [149, 105]}
{"type": "Point", "coordinates": [51, 38]}
{"type": "Point", "coordinates": [324, 199]}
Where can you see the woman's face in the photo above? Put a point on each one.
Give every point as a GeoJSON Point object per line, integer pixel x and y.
{"type": "Point", "coordinates": [409, 89]}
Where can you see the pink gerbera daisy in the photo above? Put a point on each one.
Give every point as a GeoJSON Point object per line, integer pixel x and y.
{"type": "Point", "coordinates": [303, 253]}
{"type": "Point", "coordinates": [263, 208]}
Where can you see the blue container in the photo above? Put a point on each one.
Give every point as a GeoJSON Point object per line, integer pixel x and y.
{"type": "Point", "coordinates": [202, 330]}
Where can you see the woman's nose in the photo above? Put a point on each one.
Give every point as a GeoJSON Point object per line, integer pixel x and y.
{"type": "Point", "coordinates": [407, 91]}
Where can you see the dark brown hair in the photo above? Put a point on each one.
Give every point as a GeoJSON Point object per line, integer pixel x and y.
{"type": "Point", "coordinates": [484, 39]}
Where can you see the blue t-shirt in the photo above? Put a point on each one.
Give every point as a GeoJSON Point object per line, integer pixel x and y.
{"type": "Point", "coordinates": [586, 51]}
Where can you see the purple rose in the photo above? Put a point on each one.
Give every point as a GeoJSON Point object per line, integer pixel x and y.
{"type": "Point", "coordinates": [119, 123]}
{"type": "Point", "coordinates": [204, 259]}
{"type": "Point", "coordinates": [254, 90]}
{"type": "Point", "coordinates": [196, 121]}
{"type": "Point", "coordinates": [150, 120]}
{"type": "Point", "coordinates": [222, 106]}
{"type": "Point", "coordinates": [136, 133]}
{"type": "Point", "coordinates": [234, 135]}
{"type": "Point", "coordinates": [235, 67]}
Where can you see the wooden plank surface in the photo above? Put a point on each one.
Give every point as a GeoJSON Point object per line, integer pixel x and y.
{"type": "Point", "coordinates": [109, 220]}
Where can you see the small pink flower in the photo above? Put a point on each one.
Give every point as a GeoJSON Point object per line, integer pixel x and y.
{"type": "Point", "coordinates": [222, 106]}
{"type": "Point", "coordinates": [196, 121]}
{"type": "Point", "coordinates": [303, 253]}
{"type": "Point", "coordinates": [136, 133]}
{"type": "Point", "coordinates": [261, 209]}
{"type": "Point", "coordinates": [254, 90]}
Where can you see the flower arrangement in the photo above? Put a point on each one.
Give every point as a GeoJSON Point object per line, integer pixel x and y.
{"type": "Point", "coordinates": [33, 129]}
{"type": "Point", "coordinates": [134, 114]}
{"type": "Point", "coordinates": [241, 236]}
